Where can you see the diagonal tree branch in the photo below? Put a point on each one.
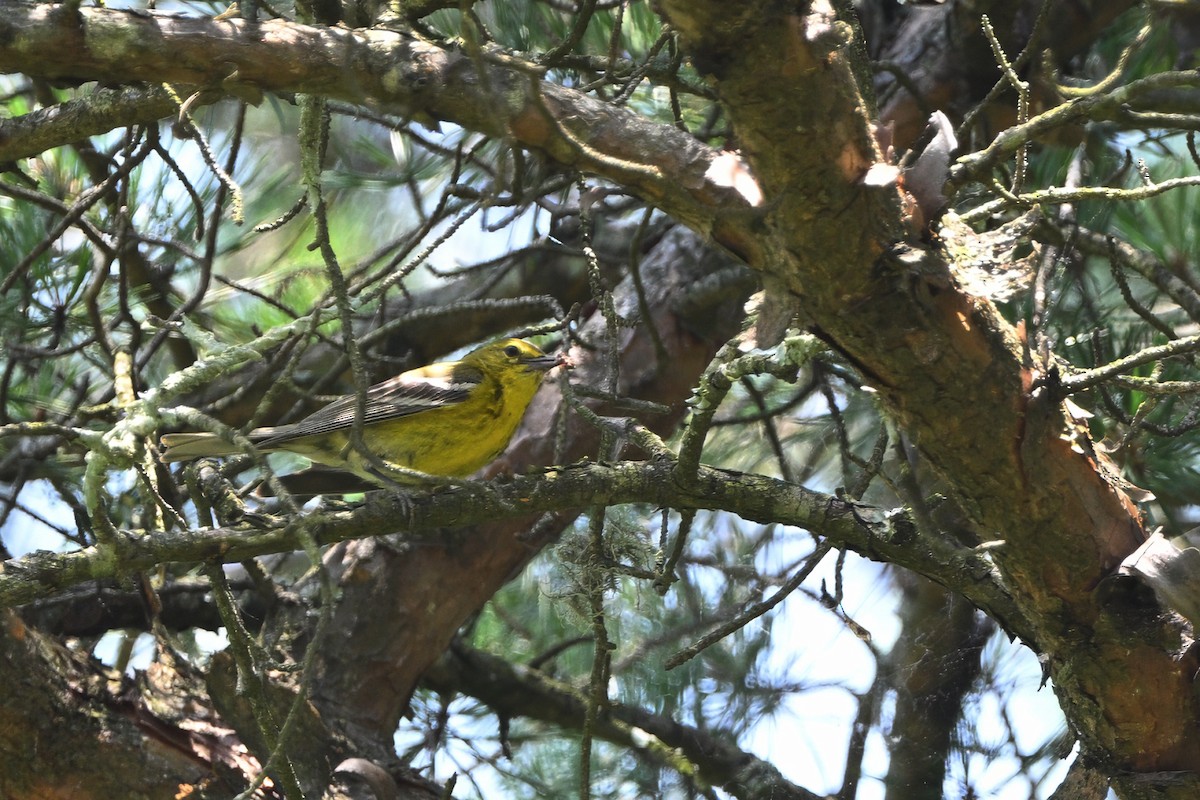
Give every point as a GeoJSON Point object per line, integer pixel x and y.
{"type": "Point", "coordinates": [948, 365]}
{"type": "Point", "coordinates": [517, 690]}
{"type": "Point", "coordinates": [486, 91]}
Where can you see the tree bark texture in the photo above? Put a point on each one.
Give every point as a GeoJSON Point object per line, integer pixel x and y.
{"type": "Point", "coordinates": [951, 369]}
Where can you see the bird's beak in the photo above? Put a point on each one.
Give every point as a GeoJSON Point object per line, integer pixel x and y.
{"type": "Point", "coordinates": [547, 363]}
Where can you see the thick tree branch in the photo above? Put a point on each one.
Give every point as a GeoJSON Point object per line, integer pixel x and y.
{"type": "Point", "coordinates": [935, 662]}
{"type": "Point", "coordinates": [514, 690]}
{"type": "Point", "coordinates": [99, 112]}
{"type": "Point", "coordinates": [57, 684]}
{"type": "Point", "coordinates": [949, 366]}
{"type": "Point", "coordinates": [875, 533]}
{"type": "Point", "coordinates": [484, 91]}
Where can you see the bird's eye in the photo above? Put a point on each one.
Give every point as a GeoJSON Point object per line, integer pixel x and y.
{"type": "Point", "coordinates": [512, 351]}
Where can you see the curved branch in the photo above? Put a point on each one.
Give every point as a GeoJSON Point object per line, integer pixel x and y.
{"type": "Point", "coordinates": [875, 533]}
{"type": "Point", "coordinates": [493, 93]}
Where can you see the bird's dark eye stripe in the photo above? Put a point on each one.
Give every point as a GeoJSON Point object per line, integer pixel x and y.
{"type": "Point", "coordinates": [512, 351]}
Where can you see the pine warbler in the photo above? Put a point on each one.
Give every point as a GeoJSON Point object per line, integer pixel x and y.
{"type": "Point", "coordinates": [447, 419]}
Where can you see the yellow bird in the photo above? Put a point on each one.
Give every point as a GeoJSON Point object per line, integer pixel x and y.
{"type": "Point", "coordinates": [446, 419]}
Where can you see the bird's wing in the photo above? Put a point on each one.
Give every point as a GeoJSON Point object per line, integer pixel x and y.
{"type": "Point", "coordinates": [409, 393]}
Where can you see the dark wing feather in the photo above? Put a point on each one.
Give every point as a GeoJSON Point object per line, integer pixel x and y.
{"type": "Point", "coordinates": [398, 397]}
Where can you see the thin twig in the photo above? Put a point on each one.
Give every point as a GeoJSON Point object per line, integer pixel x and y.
{"type": "Point", "coordinates": [753, 612]}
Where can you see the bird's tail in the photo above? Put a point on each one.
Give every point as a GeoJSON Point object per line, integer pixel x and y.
{"type": "Point", "coordinates": [186, 446]}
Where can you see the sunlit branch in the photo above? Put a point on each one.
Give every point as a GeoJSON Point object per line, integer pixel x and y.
{"type": "Point", "coordinates": [1086, 380]}
{"type": "Point", "coordinates": [1095, 107]}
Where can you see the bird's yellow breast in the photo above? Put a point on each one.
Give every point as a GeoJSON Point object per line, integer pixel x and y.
{"type": "Point", "coordinates": [453, 441]}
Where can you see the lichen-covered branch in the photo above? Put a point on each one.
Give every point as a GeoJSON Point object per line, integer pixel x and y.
{"type": "Point", "coordinates": [874, 532]}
